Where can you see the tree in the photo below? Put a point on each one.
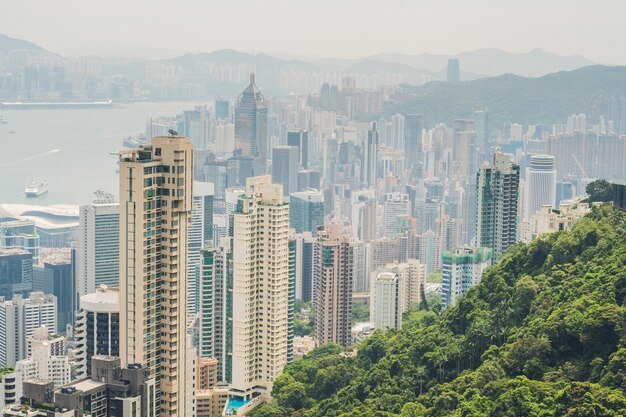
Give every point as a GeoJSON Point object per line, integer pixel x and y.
{"type": "Point", "coordinates": [599, 191]}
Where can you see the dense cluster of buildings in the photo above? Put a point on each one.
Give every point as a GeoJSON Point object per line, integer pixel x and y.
{"type": "Point", "coordinates": [178, 297]}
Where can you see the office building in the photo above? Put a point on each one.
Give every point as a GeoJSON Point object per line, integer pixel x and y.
{"type": "Point", "coordinates": [222, 109]}
{"type": "Point", "coordinates": [453, 71]}
{"type": "Point", "coordinates": [300, 139]}
{"type": "Point", "coordinates": [387, 301]}
{"type": "Point", "coordinates": [306, 211]}
{"type": "Point", "coordinates": [540, 184]}
{"type": "Point", "coordinates": [481, 125]}
{"type": "Point", "coordinates": [461, 270]}
{"type": "Point", "coordinates": [155, 210]}
{"type": "Point", "coordinates": [56, 277]}
{"type": "Point", "coordinates": [309, 179]}
{"type": "Point", "coordinates": [200, 236]}
{"type": "Point", "coordinates": [19, 234]}
{"type": "Point", "coordinates": [251, 122]}
{"type": "Point", "coordinates": [396, 204]}
{"type": "Point", "coordinates": [413, 148]}
{"type": "Point", "coordinates": [16, 272]}
{"type": "Point", "coordinates": [99, 244]}
{"type": "Point", "coordinates": [285, 168]}
{"type": "Point", "coordinates": [19, 318]}
{"type": "Point", "coordinates": [497, 187]}
{"type": "Point", "coordinates": [97, 329]}
{"type": "Point", "coordinates": [333, 287]}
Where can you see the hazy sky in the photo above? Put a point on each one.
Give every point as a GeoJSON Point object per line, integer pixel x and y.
{"type": "Point", "coordinates": [342, 28]}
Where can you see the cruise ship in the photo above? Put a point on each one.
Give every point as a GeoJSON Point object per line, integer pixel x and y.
{"type": "Point", "coordinates": [36, 188]}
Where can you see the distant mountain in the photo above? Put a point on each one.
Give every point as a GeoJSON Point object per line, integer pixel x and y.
{"type": "Point", "coordinates": [117, 50]}
{"type": "Point", "coordinates": [511, 98]}
{"type": "Point", "coordinates": [10, 44]}
{"type": "Point", "coordinates": [492, 61]}
{"type": "Point", "coordinates": [230, 56]}
{"type": "Point", "coordinates": [372, 66]}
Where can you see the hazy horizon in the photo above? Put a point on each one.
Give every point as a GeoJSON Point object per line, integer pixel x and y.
{"type": "Point", "coordinates": [347, 29]}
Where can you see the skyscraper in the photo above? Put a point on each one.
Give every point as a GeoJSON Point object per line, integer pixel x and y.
{"type": "Point", "coordinates": [369, 165]}
{"type": "Point", "coordinates": [497, 188]}
{"type": "Point", "coordinates": [540, 184]}
{"type": "Point", "coordinates": [56, 277]}
{"type": "Point", "coordinates": [155, 210]}
{"type": "Point", "coordinates": [333, 287]}
{"type": "Point", "coordinates": [259, 337]}
{"type": "Point", "coordinates": [200, 236]}
{"type": "Point", "coordinates": [251, 122]}
{"type": "Point", "coordinates": [99, 240]}
{"type": "Point", "coordinates": [413, 125]}
{"type": "Point", "coordinates": [461, 270]}
{"type": "Point", "coordinates": [453, 71]}
{"type": "Point", "coordinates": [305, 265]}
{"type": "Point", "coordinates": [300, 139]}
{"type": "Point", "coordinates": [285, 168]}
{"type": "Point", "coordinates": [306, 212]}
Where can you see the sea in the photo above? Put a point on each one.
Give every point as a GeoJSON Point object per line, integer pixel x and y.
{"type": "Point", "coordinates": [71, 149]}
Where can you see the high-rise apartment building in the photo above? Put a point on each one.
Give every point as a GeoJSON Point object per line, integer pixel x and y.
{"type": "Point", "coordinates": [413, 149]}
{"type": "Point", "coordinates": [99, 244]}
{"type": "Point", "coordinates": [497, 187]}
{"type": "Point", "coordinates": [333, 287]}
{"type": "Point", "coordinates": [396, 204]}
{"type": "Point", "coordinates": [247, 293]}
{"type": "Point", "coordinates": [540, 184]}
{"type": "Point", "coordinates": [453, 71]}
{"type": "Point", "coordinates": [387, 301]}
{"type": "Point", "coordinates": [43, 362]}
{"type": "Point", "coordinates": [155, 209]}
{"type": "Point", "coordinates": [306, 211]}
{"type": "Point", "coordinates": [413, 275]}
{"type": "Point", "coordinates": [200, 236]}
{"type": "Point", "coordinates": [19, 318]}
{"type": "Point", "coordinates": [461, 270]}
{"type": "Point", "coordinates": [251, 122]}
{"type": "Point", "coordinates": [285, 167]}
{"type": "Point", "coordinates": [261, 333]}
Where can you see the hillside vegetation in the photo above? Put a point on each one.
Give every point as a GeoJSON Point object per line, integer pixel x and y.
{"type": "Point", "coordinates": [541, 335]}
{"type": "Point", "coordinates": [509, 98]}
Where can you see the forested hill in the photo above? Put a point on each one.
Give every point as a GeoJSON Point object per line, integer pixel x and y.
{"type": "Point", "coordinates": [510, 98]}
{"type": "Point", "coordinates": [541, 335]}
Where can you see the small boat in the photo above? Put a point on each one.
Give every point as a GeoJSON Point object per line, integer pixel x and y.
{"type": "Point", "coordinates": [3, 121]}
{"type": "Point", "coordinates": [36, 188]}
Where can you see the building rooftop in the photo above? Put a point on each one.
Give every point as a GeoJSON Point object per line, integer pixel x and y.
{"type": "Point", "coordinates": [44, 217]}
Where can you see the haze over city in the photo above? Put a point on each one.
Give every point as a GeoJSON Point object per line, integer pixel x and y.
{"type": "Point", "coordinates": [325, 28]}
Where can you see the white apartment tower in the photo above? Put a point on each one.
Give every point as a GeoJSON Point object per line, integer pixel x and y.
{"type": "Point", "coordinates": [99, 240]}
{"type": "Point", "coordinates": [260, 293]}
{"type": "Point", "coordinates": [155, 209]}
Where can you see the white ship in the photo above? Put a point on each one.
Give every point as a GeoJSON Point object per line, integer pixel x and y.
{"type": "Point", "coordinates": [36, 188]}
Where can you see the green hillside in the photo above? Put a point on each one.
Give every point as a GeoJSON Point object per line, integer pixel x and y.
{"type": "Point", "coordinates": [509, 98]}
{"type": "Point", "coordinates": [541, 335]}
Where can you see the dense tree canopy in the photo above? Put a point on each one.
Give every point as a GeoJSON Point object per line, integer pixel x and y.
{"type": "Point", "coordinates": [541, 335]}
